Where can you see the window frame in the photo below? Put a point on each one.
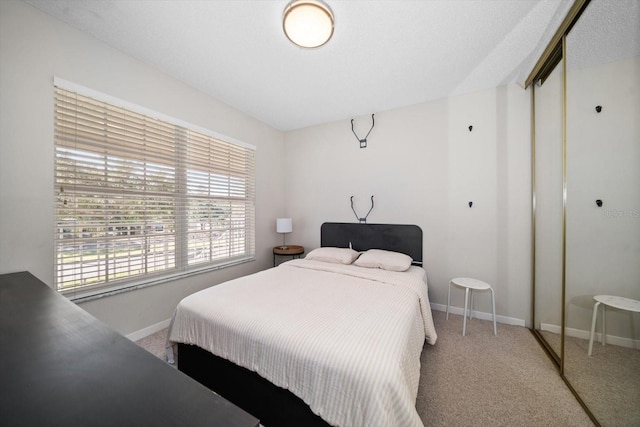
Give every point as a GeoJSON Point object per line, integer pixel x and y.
{"type": "Point", "coordinates": [195, 183]}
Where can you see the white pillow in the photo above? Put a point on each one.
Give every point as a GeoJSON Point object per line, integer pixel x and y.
{"type": "Point", "coordinates": [386, 260]}
{"type": "Point", "coordinates": [334, 255]}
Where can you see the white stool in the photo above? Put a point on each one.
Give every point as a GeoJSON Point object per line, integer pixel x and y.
{"type": "Point", "coordinates": [471, 285]}
{"type": "Point", "coordinates": [611, 301]}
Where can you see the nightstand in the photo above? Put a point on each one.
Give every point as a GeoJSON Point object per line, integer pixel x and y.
{"type": "Point", "coordinates": [294, 251]}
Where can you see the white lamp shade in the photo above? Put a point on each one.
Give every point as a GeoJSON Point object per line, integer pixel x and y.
{"type": "Point", "coordinates": [284, 225]}
{"type": "Point", "coordinates": [308, 23]}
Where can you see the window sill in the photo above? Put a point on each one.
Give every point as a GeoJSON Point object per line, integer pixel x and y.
{"type": "Point", "coordinates": [93, 294]}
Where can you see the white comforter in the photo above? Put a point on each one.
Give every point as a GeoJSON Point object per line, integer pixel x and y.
{"type": "Point", "coordinates": [345, 339]}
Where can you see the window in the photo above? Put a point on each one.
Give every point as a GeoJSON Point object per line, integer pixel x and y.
{"type": "Point", "coordinates": [140, 199]}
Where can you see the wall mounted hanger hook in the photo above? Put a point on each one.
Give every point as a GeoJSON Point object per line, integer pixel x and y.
{"type": "Point", "coordinates": [363, 142]}
{"type": "Point", "coordinates": [364, 219]}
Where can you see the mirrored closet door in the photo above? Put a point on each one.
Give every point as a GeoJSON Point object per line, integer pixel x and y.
{"type": "Point", "coordinates": [603, 210]}
{"type": "Point", "coordinates": [548, 181]}
{"type": "Point", "coordinates": [586, 165]}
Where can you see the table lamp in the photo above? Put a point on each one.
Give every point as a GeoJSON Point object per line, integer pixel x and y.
{"type": "Point", "coordinates": [284, 226]}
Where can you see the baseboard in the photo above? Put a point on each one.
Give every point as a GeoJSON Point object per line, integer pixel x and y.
{"type": "Point", "coordinates": [597, 337]}
{"type": "Point", "coordinates": [138, 335]}
{"type": "Point", "coordinates": [480, 315]}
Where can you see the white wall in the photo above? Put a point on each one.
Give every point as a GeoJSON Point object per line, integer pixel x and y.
{"type": "Point", "coordinates": [423, 166]}
{"type": "Point", "coordinates": [33, 49]}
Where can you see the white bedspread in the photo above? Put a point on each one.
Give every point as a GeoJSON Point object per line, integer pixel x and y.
{"type": "Point", "coordinates": [346, 340]}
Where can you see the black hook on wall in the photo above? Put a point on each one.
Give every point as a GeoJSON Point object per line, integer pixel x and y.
{"type": "Point", "coordinates": [361, 220]}
{"type": "Point", "coordinates": [470, 128]}
{"type": "Point", "coordinates": [598, 108]}
{"type": "Point", "coordinates": [470, 204]}
{"type": "Point", "coordinates": [599, 203]}
{"type": "Point", "coordinates": [363, 142]}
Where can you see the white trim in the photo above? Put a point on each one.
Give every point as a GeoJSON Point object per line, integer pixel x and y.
{"type": "Point", "coordinates": [82, 90]}
{"type": "Point", "coordinates": [583, 334]}
{"type": "Point", "coordinates": [145, 332]}
{"type": "Point", "coordinates": [480, 315]}
{"type": "Point", "coordinates": [555, 329]}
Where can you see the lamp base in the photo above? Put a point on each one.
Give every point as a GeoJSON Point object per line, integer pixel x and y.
{"type": "Point", "coordinates": [284, 246]}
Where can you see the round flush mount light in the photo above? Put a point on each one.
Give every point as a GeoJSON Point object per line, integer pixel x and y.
{"type": "Point", "coordinates": [308, 23]}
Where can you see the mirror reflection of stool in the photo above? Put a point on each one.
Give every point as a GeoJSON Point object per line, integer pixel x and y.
{"type": "Point", "coordinates": [611, 301]}
{"type": "Point", "coordinates": [470, 285]}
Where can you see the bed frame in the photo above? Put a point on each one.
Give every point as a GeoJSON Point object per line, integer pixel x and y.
{"type": "Point", "coordinates": [275, 406]}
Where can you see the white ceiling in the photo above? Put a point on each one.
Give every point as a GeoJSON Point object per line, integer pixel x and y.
{"type": "Point", "coordinates": [384, 54]}
{"type": "Point", "coordinates": [607, 31]}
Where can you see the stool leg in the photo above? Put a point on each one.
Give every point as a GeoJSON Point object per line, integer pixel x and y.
{"type": "Point", "coordinates": [464, 314]}
{"type": "Point", "coordinates": [493, 307]}
{"type": "Point", "coordinates": [593, 326]}
{"type": "Point", "coordinates": [471, 306]}
{"type": "Point", "coordinates": [604, 316]}
{"type": "Point", "coordinates": [448, 301]}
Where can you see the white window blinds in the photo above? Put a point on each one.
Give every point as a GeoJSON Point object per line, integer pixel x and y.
{"type": "Point", "coordinates": [139, 199]}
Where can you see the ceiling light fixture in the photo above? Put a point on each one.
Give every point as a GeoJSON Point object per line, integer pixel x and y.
{"type": "Point", "coordinates": [308, 23]}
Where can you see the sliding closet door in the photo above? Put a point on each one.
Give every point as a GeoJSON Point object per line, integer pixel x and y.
{"type": "Point", "coordinates": [603, 207]}
{"type": "Point", "coordinates": [548, 208]}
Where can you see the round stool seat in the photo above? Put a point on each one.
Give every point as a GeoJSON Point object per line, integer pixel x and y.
{"type": "Point", "coordinates": [467, 282]}
{"type": "Point", "coordinates": [621, 303]}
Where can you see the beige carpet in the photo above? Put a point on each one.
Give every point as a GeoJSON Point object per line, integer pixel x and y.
{"type": "Point", "coordinates": [481, 379]}
{"type": "Point", "coordinates": [155, 343]}
{"type": "Point", "coordinates": [608, 380]}
{"type": "Point", "coordinates": [487, 380]}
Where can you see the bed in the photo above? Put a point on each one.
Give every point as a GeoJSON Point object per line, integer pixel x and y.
{"type": "Point", "coordinates": [317, 341]}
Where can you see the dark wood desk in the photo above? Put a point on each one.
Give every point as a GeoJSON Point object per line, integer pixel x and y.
{"type": "Point", "coordinates": [59, 366]}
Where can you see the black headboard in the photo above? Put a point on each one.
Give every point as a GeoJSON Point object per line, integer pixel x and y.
{"type": "Point", "coordinates": [406, 239]}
